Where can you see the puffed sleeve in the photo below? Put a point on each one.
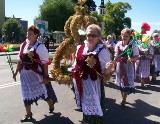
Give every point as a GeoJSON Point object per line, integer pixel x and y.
{"type": "Point", "coordinates": [104, 57]}
{"type": "Point", "coordinates": [74, 64]}
{"type": "Point", "coordinates": [18, 58]}
{"type": "Point", "coordinates": [116, 50]}
{"type": "Point", "coordinates": [135, 50]}
{"type": "Point", "coordinates": [43, 53]}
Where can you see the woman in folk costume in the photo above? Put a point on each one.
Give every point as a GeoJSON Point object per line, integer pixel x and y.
{"type": "Point", "coordinates": [110, 45]}
{"type": "Point", "coordinates": [156, 57]}
{"type": "Point", "coordinates": [92, 61]}
{"type": "Point", "coordinates": [146, 53]}
{"type": "Point", "coordinates": [125, 64]}
{"type": "Point", "coordinates": [33, 69]}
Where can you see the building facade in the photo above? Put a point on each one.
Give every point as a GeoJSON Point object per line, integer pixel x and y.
{"type": "Point", "coordinates": [2, 13]}
{"type": "Point", "coordinates": [101, 8]}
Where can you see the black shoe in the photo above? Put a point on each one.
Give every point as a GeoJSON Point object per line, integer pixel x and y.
{"type": "Point", "coordinates": [123, 103]}
{"type": "Point", "coordinates": [83, 122]}
{"type": "Point", "coordinates": [51, 108]}
{"type": "Point", "coordinates": [142, 86]}
{"type": "Point", "coordinates": [153, 80]}
{"type": "Point", "coordinates": [27, 118]}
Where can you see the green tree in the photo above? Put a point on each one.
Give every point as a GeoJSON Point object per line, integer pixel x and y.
{"type": "Point", "coordinates": [97, 16]}
{"type": "Point", "coordinates": [115, 19]}
{"type": "Point", "coordinates": [90, 3]}
{"type": "Point", "coordinates": [12, 30]}
{"type": "Point", "coordinates": [56, 12]}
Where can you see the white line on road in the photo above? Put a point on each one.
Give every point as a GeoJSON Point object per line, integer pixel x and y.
{"type": "Point", "coordinates": [9, 84]}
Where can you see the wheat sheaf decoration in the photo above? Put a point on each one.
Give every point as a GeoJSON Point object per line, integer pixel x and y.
{"type": "Point", "coordinates": [81, 2]}
{"type": "Point", "coordinates": [64, 54]}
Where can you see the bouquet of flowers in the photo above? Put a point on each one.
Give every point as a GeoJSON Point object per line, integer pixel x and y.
{"type": "Point", "coordinates": [8, 48]}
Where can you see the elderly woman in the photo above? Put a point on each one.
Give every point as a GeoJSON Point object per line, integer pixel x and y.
{"type": "Point", "coordinates": [110, 45]}
{"type": "Point", "coordinates": [125, 64]}
{"type": "Point", "coordinates": [33, 69]}
{"type": "Point", "coordinates": [155, 65]}
{"type": "Point", "coordinates": [143, 63]}
{"type": "Point", "coordinates": [92, 61]}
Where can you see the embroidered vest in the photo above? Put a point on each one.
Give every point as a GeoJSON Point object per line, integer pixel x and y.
{"type": "Point", "coordinates": [28, 62]}
{"type": "Point", "coordinates": [83, 69]}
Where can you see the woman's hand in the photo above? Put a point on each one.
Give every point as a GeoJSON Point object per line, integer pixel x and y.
{"type": "Point", "coordinates": [14, 76]}
{"type": "Point", "coordinates": [45, 81]}
{"type": "Point", "coordinates": [129, 59]}
{"type": "Point", "coordinates": [110, 67]}
{"type": "Point", "coordinates": [133, 59]}
{"type": "Point", "coordinates": [150, 57]}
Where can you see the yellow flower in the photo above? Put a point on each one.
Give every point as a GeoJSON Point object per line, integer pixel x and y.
{"type": "Point", "coordinates": [90, 61]}
{"type": "Point", "coordinates": [146, 39]}
{"type": "Point", "coordinates": [81, 2]}
{"type": "Point", "coordinates": [31, 54]}
{"type": "Point", "coordinates": [57, 70]}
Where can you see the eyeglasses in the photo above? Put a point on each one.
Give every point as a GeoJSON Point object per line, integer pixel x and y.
{"type": "Point", "coordinates": [91, 35]}
{"type": "Point", "coordinates": [109, 38]}
{"type": "Point", "coordinates": [155, 36]}
{"type": "Point", "coordinates": [126, 36]}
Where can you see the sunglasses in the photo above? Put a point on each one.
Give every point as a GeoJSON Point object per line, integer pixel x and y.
{"type": "Point", "coordinates": [126, 36]}
{"type": "Point", "coordinates": [155, 36]}
{"type": "Point", "coordinates": [91, 35]}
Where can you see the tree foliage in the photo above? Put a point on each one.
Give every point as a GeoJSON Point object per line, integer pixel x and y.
{"type": "Point", "coordinates": [90, 3]}
{"type": "Point", "coordinates": [98, 17]}
{"type": "Point", "coordinates": [13, 30]}
{"type": "Point", "coordinates": [115, 19]}
{"type": "Point", "coordinates": [56, 12]}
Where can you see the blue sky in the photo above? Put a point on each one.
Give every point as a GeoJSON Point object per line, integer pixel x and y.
{"type": "Point", "coordinates": [142, 11]}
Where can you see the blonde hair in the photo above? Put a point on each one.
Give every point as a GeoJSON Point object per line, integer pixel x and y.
{"type": "Point", "coordinates": [126, 30]}
{"type": "Point", "coordinates": [95, 27]}
{"type": "Point", "coordinates": [109, 36]}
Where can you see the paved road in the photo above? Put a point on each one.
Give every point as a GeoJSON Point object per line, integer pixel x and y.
{"type": "Point", "coordinates": [143, 107]}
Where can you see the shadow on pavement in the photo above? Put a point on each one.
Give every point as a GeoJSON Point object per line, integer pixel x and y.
{"type": "Point", "coordinates": [56, 118]}
{"type": "Point", "coordinates": [111, 85]}
{"type": "Point", "coordinates": [156, 83]}
{"type": "Point", "coordinates": [139, 113]}
{"type": "Point", "coordinates": [149, 87]}
{"type": "Point", "coordinates": [114, 86]}
{"type": "Point", "coordinates": [141, 91]}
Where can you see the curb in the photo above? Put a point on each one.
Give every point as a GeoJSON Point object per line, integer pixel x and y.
{"type": "Point", "coordinates": [4, 54]}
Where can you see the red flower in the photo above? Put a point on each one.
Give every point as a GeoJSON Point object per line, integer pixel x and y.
{"type": "Point", "coordinates": [5, 47]}
{"type": "Point", "coordinates": [158, 39]}
{"type": "Point", "coordinates": [1, 49]}
{"type": "Point", "coordinates": [119, 59]}
{"type": "Point", "coordinates": [145, 27]}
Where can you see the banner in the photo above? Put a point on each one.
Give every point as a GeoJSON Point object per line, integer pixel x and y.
{"type": "Point", "coordinates": [43, 26]}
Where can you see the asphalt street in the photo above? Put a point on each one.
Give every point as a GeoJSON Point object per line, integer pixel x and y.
{"type": "Point", "coordinates": [143, 107]}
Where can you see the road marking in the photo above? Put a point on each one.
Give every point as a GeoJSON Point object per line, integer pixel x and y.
{"type": "Point", "coordinates": [9, 84]}
{"type": "Point", "coordinates": [154, 118]}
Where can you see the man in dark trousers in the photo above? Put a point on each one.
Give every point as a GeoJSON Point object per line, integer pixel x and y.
{"type": "Point", "coordinates": [47, 42]}
{"type": "Point", "coordinates": [3, 39]}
